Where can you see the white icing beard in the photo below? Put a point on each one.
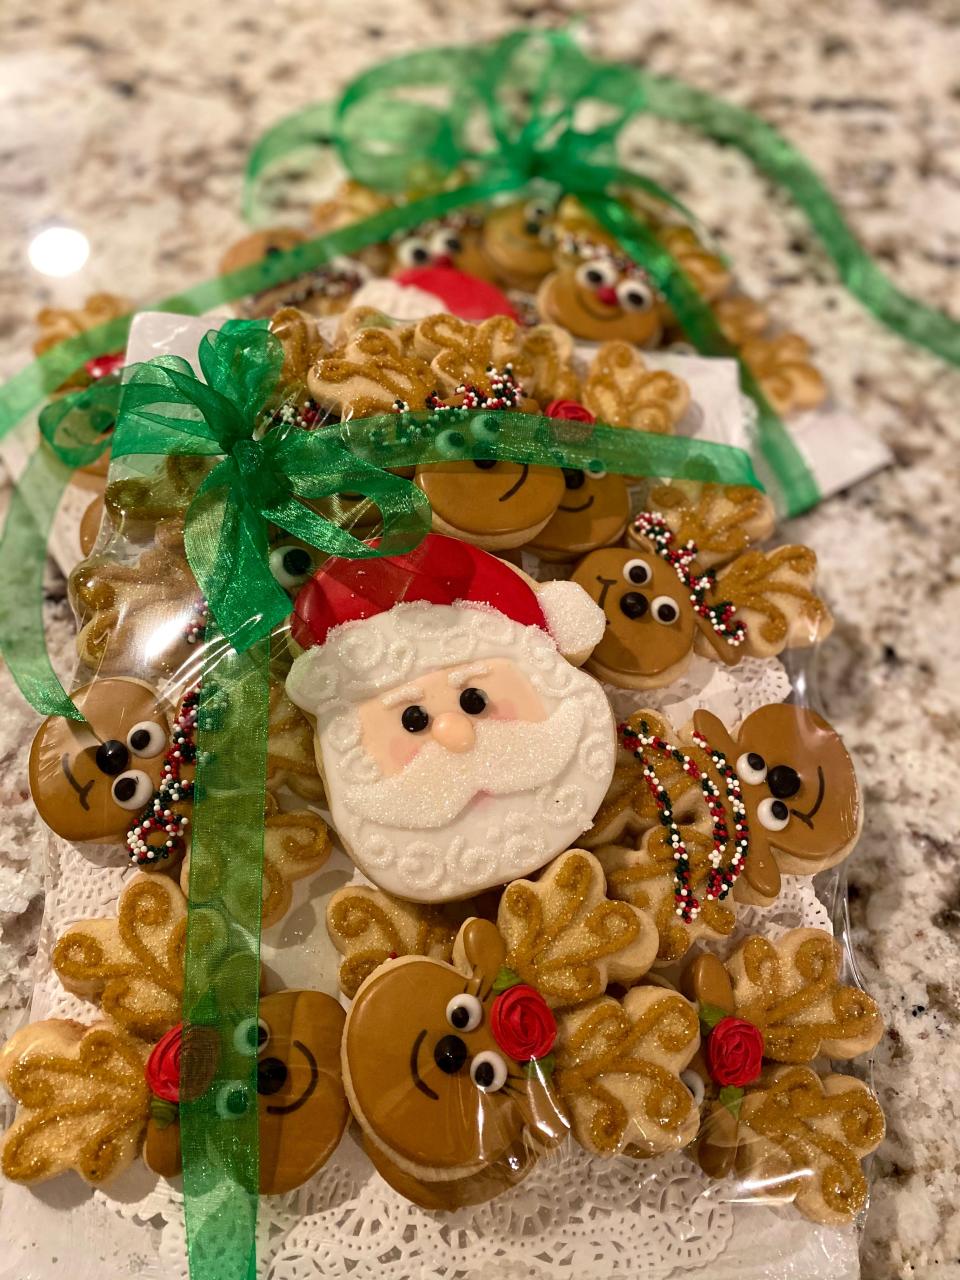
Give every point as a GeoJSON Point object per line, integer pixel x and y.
{"type": "Point", "coordinates": [452, 824]}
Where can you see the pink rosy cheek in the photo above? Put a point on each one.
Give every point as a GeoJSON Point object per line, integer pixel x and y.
{"type": "Point", "coordinates": [403, 750]}
{"type": "Point", "coordinates": [504, 710]}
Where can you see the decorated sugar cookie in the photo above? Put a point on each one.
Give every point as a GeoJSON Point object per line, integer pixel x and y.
{"type": "Point", "coordinates": [131, 964]}
{"type": "Point", "coordinates": [516, 243]}
{"type": "Point", "coordinates": [90, 779]}
{"type": "Point", "coordinates": [714, 821]}
{"type": "Point", "coordinates": [82, 1101]}
{"type": "Point", "coordinates": [662, 607]}
{"type": "Point", "coordinates": [593, 512]}
{"type": "Point", "coordinates": [442, 1068]}
{"type": "Point", "coordinates": [599, 294]}
{"type": "Point", "coordinates": [300, 1099]}
{"type": "Point", "coordinates": [783, 368]}
{"type": "Point", "coordinates": [320, 292]}
{"type": "Point", "coordinates": [618, 1072]}
{"type": "Point", "coordinates": [805, 1135]}
{"type": "Point", "coordinates": [459, 747]}
{"type": "Point", "coordinates": [620, 390]}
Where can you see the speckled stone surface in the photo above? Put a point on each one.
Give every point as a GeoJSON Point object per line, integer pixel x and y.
{"type": "Point", "coordinates": [132, 122]}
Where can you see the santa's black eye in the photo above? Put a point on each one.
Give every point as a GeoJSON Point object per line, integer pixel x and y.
{"type": "Point", "coordinates": [414, 719]}
{"type": "Point", "coordinates": [665, 610]}
{"type": "Point", "coordinates": [573, 479]}
{"type": "Point", "coordinates": [473, 701]}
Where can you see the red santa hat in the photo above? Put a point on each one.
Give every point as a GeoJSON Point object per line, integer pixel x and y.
{"type": "Point", "coordinates": [373, 618]}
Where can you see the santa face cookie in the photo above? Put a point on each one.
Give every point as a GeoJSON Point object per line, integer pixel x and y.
{"type": "Point", "coordinates": [433, 1063]}
{"type": "Point", "coordinates": [89, 780]}
{"type": "Point", "coordinates": [601, 296]}
{"type": "Point", "coordinates": [459, 748]}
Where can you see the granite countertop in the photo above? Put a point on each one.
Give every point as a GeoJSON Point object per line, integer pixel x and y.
{"type": "Point", "coordinates": [135, 128]}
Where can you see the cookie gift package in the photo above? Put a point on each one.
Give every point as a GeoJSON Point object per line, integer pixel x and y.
{"type": "Point", "coordinates": [446, 861]}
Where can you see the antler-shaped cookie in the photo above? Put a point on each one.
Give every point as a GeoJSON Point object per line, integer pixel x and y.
{"type": "Point", "coordinates": [368, 926]}
{"type": "Point", "coordinates": [301, 341]}
{"type": "Point", "coordinates": [630, 807]}
{"type": "Point", "coordinates": [740, 318]}
{"type": "Point", "coordinates": [371, 374]}
{"type": "Point", "coordinates": [785, 373]}
{"type": "Point", "coordinates": [291, 760]}
{"type": "Point", "coordinates": [618, 1071]}
{"type": "Point", "coordinates": [620, 390]}
{"type": "Point", "coordinates": [722, 520]}
{"type": "Point", "coordinates": [773, 597]}
{"type": "Point", "coordinates": [82, 1097]}
{"type": "Point", "coordinates": [460, 351]}
{"type": "Point", "coordinates": [565, 937]}
{"type": "Point", "coordinates": [126, 608]}
{"type": "Point", "coordinates": [132, 963]}
{"type": "Point", "coordinates": [790, 990]}
{"type": "Point", "coordinates": [706, 272]}
{"type": "Point", "coordinates": [805, 1137]}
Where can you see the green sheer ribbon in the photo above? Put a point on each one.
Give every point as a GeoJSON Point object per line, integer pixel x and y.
{"type": "Point", "coordinates": [283, 476]}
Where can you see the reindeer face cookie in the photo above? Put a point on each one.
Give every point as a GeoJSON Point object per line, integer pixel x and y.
{"type": "Point", "coordinates": [89, 780]}
{"type": "Point", "coordinates": [601, 297]}
{"type": "Point", "coordinates": [433, 1056]}
{"type": "Point", "coordinates": [651, 627]}
{"type": "Point", "coordinates": [496, 505]}
{"type": "Point", "coordinates": [517, 243]}
{"type": "Point", "coordinates": [593, 512]}
{"type": "Point", "coordinates": [82, 1101]}
{"type": "Point", "coordinates": [799, 790]}
{"type": "Point", "coordinates": [299, 1088]}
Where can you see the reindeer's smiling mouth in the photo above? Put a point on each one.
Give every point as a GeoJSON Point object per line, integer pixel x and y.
{"type": "Point", "coordinates": [514, 488]}
{"type": "Point", "coordinates": [414, 1068]}
{"type": "Point", "coordinates": [82, 791]}
{"type": "Point", "coordinates": [809, 815]}
{"type": "Point", "coordinates": [584, 506]}
{"type": "Point", "coordinates": [284, 1108]}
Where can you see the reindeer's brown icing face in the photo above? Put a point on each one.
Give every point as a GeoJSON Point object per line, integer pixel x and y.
{"type": "Point", "coordinates": [799, 788]}
{"type": "Point", "coordinates": [517, 244]}
{"type": "Point", "coordinates": [443, 245]}
{"type": "Point", "coordinates": [651, 625]}
{"type": "Point", "coordinates": [303, 1109]}
{"type": "Point", "coordinates": [90, 780]}
{"type": "Point", "coordinates": [426, 1079]}
{"type": "Point", "coordinates": [593, 512]}
{"type": "Point", "coordinates": [596, 300]}
{"type": "Point", "coordinates": [490, 499]}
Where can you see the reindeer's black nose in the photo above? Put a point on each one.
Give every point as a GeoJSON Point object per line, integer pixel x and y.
{"type": "Point", "coordinates": [112, 757]}
{"type": "Point", "coordinates": [633, 604]}
{"type": "Point", "coordinates": [783, 781]}
{"type": "Point", "coordinates": [450, 1053]}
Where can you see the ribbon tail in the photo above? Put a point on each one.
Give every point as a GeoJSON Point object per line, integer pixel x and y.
{"type": "Point", "coordinates": [23, 557]}
{"type": "Point", "coordinates": [312, 127]}
{"type": "Point", "coordinates": [220, 1129]}
{"type": "Point", "coordinates": [780, 161]}
{"type": "Point", "coordinates": [797, 489]}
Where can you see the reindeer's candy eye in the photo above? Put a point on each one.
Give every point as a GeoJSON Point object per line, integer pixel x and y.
{"type": "Point", "coordinates": [251, 1036]}
{"type": "Point", "coordinates": [445, 243]}
{"type": "Point", "coordinates": [488, 1071]}
{"type": "Point", "coordinates": [752, 768]}
{"type": "Point", "coordinates": [464, 1012]}
{"type": "Point", "coordinates": [634, 296]}
{"type": "Point", "coordinates": [638, 572]}
{"type": "Point", "coordinates": [233, 1099]}
{"type": "Point", "coordinates": [595, 273]}
{"type": "Point", "coordinates": [414, 252]}
{"type": "Point", "coordinates": [773, 814]}
{"type": "Point", "coordinates": [147, 739]}
{"type": "Point", "coordinates": [132, 789]}
{"type": "Point", "coordinates": [291, 565]}
{"type": "Point", "coordinates": [664, 610]}
{"type": "Point", "coordinates": [535, 213]}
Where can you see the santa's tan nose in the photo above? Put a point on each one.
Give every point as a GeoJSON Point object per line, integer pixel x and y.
{"type": "Point", "coordinates": [453, 731]}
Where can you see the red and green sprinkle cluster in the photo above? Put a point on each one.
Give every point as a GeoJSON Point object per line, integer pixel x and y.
{"type": "Point", "coordinates": [159, 818]}
{"type": "Point", "coordinates": [720, 878]}
{"type": "Point", "coordinates": [503, 392]}
{"type": "Point", "coordinates": [722, 614]}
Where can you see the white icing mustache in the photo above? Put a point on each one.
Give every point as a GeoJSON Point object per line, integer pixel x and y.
{"type": "Point", "coordinates": [509, 756]}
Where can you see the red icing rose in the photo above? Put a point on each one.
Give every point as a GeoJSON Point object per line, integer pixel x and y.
{"type": "Point", "coordinates": [101, 366]}
{"type": "Point", "coordinates": [163, 1066]}
{"type": "Point", "coordinates": [569, 410]}
{"type": "Point", "coordinates": [522, 1023]}
{"type": "Point", "coordinates": [734, 1052]}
